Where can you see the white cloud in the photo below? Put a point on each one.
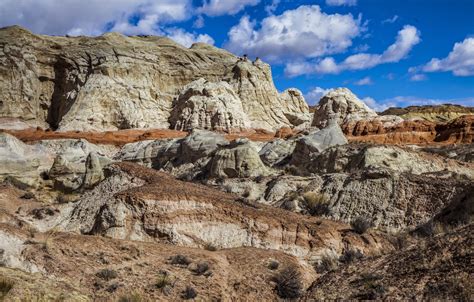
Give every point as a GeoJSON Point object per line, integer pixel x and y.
{"type": "Point", "coordinates": [94, 17]}
{"type": "Point", "coordinates": [187, 39]}
{"type": "Point", "coordinates": [270, 8]}
{"type": "Point", "coordinates": [407, 37]}
{"type": "Point", "coordinates": [225, 7]}
{"type": "Point", "coordinates": [314, 95]}
{"type": "Point", "coordinates": [373, 104]}
{"type": "Point", "coordinates": [199, 22]}
{"type": "Point", "coordinates": [305, 32]}
{"type": "Point", "coordinates": [90, 17]}
{"type": "Point", "coordinates": [341, 2]}
{"type": "Point", "coordinates": [418, 77]}
{"type": "Point", "coordinates": [364, 81]}
{"type": "Point", "coordinates": [460, 61]}
{"type": "Point", "coordinates": [390, 20]}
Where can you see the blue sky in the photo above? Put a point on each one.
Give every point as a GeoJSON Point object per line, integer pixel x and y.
{"type": "Point", "coordinates": [389, 52]}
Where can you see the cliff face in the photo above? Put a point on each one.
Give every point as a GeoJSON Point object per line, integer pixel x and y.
{"type": "Point", "coordinates": [436, 113]}
{"type": "Point", "coordinates": [115, 82]}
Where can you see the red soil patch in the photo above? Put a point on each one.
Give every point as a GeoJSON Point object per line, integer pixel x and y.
{"type": "Point", "coordinates": [122, 137]}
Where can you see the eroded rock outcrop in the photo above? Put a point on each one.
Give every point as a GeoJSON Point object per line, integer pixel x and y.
{"type": "Point", "coordinates": [238, 160]}
{"type": "Point", "coordinates": [116, 82]}
{"type": "Point", "coordinates": [343, 103]}
{"type": "Point", "coordinates": [210, 106]}
{"type": "Point", "coordinates": [23, 163]}
{"type": "Point", "coordinates": [141, 204]}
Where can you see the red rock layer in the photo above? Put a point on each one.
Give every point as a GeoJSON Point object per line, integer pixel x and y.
{"type": "Point", "coordinates": [460, 130]}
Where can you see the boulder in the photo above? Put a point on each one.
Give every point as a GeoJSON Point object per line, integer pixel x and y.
{"type": "Point", "coordinates": [317, 141]}
{"type": "Point", "coordinates": [75, 158]}
{"type": "Point", "coordinates": [345, 104]}
{"type": "Point", "coordinates": [239, 159]}
{"type": "Point", "coordinates": [199, 144]}
{"type": "Point", "coordinates": [210, 106]}
{"type": "Point", "coordinates": [277, 151]}
{"type": "Point", "coordinates": [23, 163]}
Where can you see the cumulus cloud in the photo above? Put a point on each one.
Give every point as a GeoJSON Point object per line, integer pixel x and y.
{"type": "Point", "coordinates": [270, 8]}
{"type": "Point", "coordinates": [341, 2]}
{"type": "Point", "coordinates": [407, 37]}
{"type": "Point", "coordinates": [94, 17]}
{"type": "Point", "coordinates": [314, 95]}
{"type": "Point", "coordinates": [186, 38]}
{"type": "Point", "coordinates": [91, 17]}
{"type": "Point", "coordinates": [460, 61]}
{"type": "Point", "coordinates": [305, 32]}
{"type": "Point", "coordinates": [364, 81]}
{"type": "Point", "coordinates": [390, 20]}
{"type": "Point", "coordinates": [225, 7]}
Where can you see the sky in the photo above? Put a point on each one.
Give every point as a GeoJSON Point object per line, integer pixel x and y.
{"type": "Point", "coordinates": [388, 52]}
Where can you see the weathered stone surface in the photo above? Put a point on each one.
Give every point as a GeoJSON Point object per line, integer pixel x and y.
{"type": "Point", "coordinates": [200, 143]}
{"type": "Point", "coordinates": [239, 159]}
{"type": "Point", "coordinates": [210, 106]}
{"type": "Point", "coordinates": [295, 108]}
{"type": "Point", "coordinates": [115, 82]}
{"type": "Point", "coordinates": [75, 159]}
{"type": "Point", "coordinates": [140, 204]}
{"type": "Point", "coordinates": [433, 113]}
{"type": "Point", "coordinates": [317, 141]}
{"type": "Point", "coordinates": [277, 151]}
{"type": "Point", "coordinates": [343, 103]}
{"type": "Point", "coordinates": [21, 162]}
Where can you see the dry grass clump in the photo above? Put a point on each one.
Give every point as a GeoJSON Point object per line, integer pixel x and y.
{"type": "Point", "coordinates": [361, 224]}
{"type": "Point", "coordinates": [317, 204]}
{"type": "Point", "coordinates": [289, 283]}
{"type": "Point", "coordinates": [5, 287]}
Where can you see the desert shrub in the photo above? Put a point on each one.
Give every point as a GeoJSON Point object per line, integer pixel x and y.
{"type": "Point", "coordinates": [134, 297]}
{"type": "Point", "coordinates": [163, 280]}
{"type": "Point", "coordinates": [27, 195]}
{"type": "Point", "coordinates": [189, 293]}
{"type": "Point", "coordinates": [350, 256]}
{"type": "Point", "coordinates": [180, 260]}
{"type": "Point", "coordinates": [371, 288]}
{"type": "Point", "coordinates": [328, 263]}
{"type": "Point", "coordinates": [288, 283]}
{"type": "Point", "coordinates": [316, 203]}
{"type": "Point", "coordinates": [210, 247]}
{"type": "Point", "coordinates": [107, 274]}
{"type": "Point", "coordinates": [5, 287]}
{"type": "Point", "coordinates": [361, 224]}
{"type": "Point", "coordinates": [201, 268]}
{"type": "Point", "coordinates": [273, 265]}
{"type": "Point", "coordinates": [428, 229]}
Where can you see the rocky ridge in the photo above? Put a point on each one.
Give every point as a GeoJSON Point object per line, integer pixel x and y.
{"type": "Point", "coordinates": [115, 82]}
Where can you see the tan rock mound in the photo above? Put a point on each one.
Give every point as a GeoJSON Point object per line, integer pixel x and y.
{"type": "Point", "coordinates": [116, 82]}
{"type": "Point", "coordinates": [343, 103]}
{"type": "Point", "coordinates": [210, 106]}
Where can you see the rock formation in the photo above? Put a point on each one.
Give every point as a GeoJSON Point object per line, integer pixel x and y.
{"type": "Point", "coordinates": [115, 82]}
{"type": "Point", "coordinates": [433, 113]}
{"type": "Point", "coordinates": [210, 106]}
{"type": "Point", "coordinates": [342, 102]}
